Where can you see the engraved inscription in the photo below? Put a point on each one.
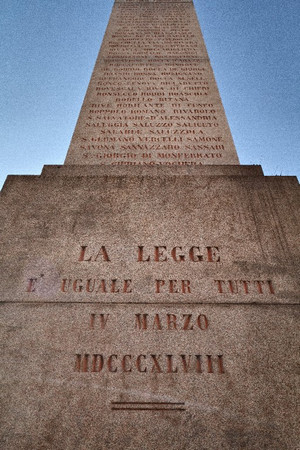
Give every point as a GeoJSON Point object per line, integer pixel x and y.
{"type": "Point", "coordinates": [244, 287]}
{"type": "Point", "coordinates": [97, 286]}
{"type": "Point", "coordinates": [173, 286]}
{"type": "Point", "coordinates": [186, 322]}
{"type": "Point", "coordinates": [162, 253]}
{"type": "Point", "coordinates": [152, 99]}
{"type": "Point", "coordinates": [100, 253]}
{"type": "Point", "coordinates": [149, 363]}
{"type": "Point", "coordinates": [31, 286]}
{"type": "Point", "coordinates": [98, 321]}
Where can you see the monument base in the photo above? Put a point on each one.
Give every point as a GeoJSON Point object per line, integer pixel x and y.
{"type": "Point", "coordinates": [152, 310]}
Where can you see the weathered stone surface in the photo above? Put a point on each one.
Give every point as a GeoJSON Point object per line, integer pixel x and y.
{"type": "Point", "coordinates": [214, 362]}
{"type": "Point", "coordinates": [252, 405]}
{"type": "Point", "coordinates": [149, 305]}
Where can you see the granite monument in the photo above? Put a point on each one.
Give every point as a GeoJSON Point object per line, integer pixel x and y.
{"type": "Point", "coordinates": [149, 286]}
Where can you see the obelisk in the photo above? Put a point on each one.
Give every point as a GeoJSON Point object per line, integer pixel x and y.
{"type": "Point", "coordinates": [149, 286]}
{"type": "Point", "coordinates": [152, 98]}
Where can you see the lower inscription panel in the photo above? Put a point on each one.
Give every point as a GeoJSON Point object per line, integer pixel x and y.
{"type": "Point", "coordinates": [166, 321]}
{"type": "Point", "coordinates": [89, 368]}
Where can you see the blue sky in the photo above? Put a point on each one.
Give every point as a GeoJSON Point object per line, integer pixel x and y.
{"type": "Point", "coordinates": [49, 47]}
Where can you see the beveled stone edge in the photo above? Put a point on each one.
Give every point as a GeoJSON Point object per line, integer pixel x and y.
{"type": "Point", "coordinates": [153, 170]}
{"type": "Point", "coordinates": [245, 172]}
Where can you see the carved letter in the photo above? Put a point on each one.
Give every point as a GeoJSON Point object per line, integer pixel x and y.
{"type": "Point", "coordinates": [186, 364]}
{"type": "Point", "coordinates": [31, 285]}
{"type": "Point", "coordinates": [127, 286]}
{"type": "Point", "coordinates": [219, 284]}
{"type": "Point", "coordinates": [174, 254]}
{"type": "Point", "coordinates": [140, 254]}
{"type": "Point", "coordinates": [220, 363]}
{"type": "Point", "coordinates": [90, 288]}
{"type": "Point", "coordinates": [173, 287]}
{"type": "Point", "coordinates": [158, 252]}
{"type": "Point", "coordinates": [114, 289]}
{"type": "Point", "coordinates": [101, 287]}
{"type": "Point", "coordinates": [156, 323]}
{"type": "Point", "coordinates": [103, 252]}
{"type": "Point", "coordinates": [209, 364]}
{"type": "Point", "coordinates": [186, 286]}
{"type": "Point", "coordinates": [159, 284]}
{"type": "Point", "coordinates": [109, 363]}
{"type": "Point", "coordinates": [82, 253]}
{"type": "Point", "coordinates": [156, 366]}
{"type": "Point", "coordinates": [141, 321]}
{"type": "Point", "coordinates": [187, 319]}
{"type": "Point", "coordinates": [259, 285]}
{"type": "Point", "coordinates": [193, 257]}
{"type": "Point", "coordinates": [202, 322]}
{"type": "Point", "coordinates": [77, 288]}
{"type": "Point", "coordinates": [94, 363]}
{"type": "Point", "coordinates": [245, 284]}
{"type": "Point", "coordinates": [213, 254]}
{"type": "Point", "coordinates": [103, 320]}
{"type": "Point", "coordinates": [198, 363]}
{"type": "Point", "coordinates": [271, 287]}
{"type": "Point", "coordinates": [123, 363]}
{"type": "Point", "coordinates": [64, 287]}
{"type": "Point", "coordinates": [138, 364]}
{"type": "Point", "coordinates": [171, 322]}
{"type": "Point", "coordinates": [233, 286]}
{"type": "Point", "coordinates": [92, 322]}
{"type": "Point", "coordinates": [170, 365]}
{"type": "Point", "coordinates": [82, 366]}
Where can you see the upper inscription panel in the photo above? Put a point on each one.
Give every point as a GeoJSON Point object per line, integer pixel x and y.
{"type": "Point", "coordinates": [152, 98]}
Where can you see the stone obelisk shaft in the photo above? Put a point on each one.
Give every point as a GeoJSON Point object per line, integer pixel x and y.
{"type": "Point", "coordinates": [152, 98]}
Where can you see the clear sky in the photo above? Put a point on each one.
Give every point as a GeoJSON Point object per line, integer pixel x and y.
{"type": "Point", "coordinates": [49, 47]}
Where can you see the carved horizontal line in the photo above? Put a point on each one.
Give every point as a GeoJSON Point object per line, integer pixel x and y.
{"type": "Point", "coordinates": [31, 302]}
{"type": "Point", "coordinates": [147, 406]}
{"type": "Point", "coordinates": [146, 409]}
{"type": "Point", "coordinates": [148, 403]}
